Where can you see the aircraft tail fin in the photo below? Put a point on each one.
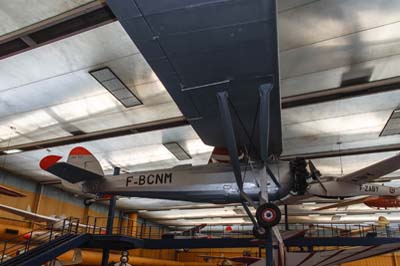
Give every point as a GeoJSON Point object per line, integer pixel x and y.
{"type": "Point", "coordinates": [82, 158]}
{"type": "Point", "coordinates": [81, 165]}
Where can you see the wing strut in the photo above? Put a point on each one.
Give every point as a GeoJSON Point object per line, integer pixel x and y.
{"type": "Point", "coordinates": [230, 140]}
{"type": "Point", "coordinates": [264, 125]}
{"type": "Point", "coordinates": [267, 213]}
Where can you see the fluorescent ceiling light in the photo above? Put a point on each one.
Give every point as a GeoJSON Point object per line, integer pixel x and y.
{"type": "Point", "coordinates": [392, 126]}
{"type": "Point", "coordinates": [12, 151]}
{"type": "Point", "coordinates": [114, 85]}
{"type": "Point", "coordinates": [177, 151]}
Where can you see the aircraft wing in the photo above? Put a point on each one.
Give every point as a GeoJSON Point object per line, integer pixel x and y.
{"type": "Point", "coordinates": [40, 218]}
{"type": "Point", "coordinates": [343, 203]}
{"type": "Point", "coordinates": [244, 260]}
{"type": "Point", "coordinates": [374, 171]}
{"type": "Point", "coordinates": [196, 52]}
{"type": "Point", "coordinates": [339, 256]}
{"type": "Point", "coordinates": [195, 229]}
{"type": "Point", "coordinates": [10, 192]}
{"type": "Point", "coordinates": [28, 215]}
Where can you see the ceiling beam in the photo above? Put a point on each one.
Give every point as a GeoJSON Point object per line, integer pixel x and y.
{"type": "Point", "coordinates": [108, 133]}
{"type": "Point", "coordinates": [77, 20]}
{"type": "Point", "coordinates": [341, 93]}
{"type": "Point", "coordinates": [348, 152]}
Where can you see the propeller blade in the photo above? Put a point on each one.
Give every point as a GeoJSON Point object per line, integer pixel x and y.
{"type": "Point", "coordinates": [316, 174]}
{"type": "Point", "coordinates": [314, 171]}
{"type": "Point", "coordinates": [321, 184]}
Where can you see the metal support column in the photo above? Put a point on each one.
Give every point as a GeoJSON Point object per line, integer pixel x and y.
{"type": "Point", "coordinates": [286, 218]}
{"type": "Point", "coordinates": [110, 222]}
{"type": "Point", "coordinates": [269, 248]}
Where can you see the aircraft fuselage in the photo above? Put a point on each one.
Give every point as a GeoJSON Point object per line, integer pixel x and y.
{"type": "Point", "coordinates": [213, 183]}
{"type": "Point", "coordinates": [337, 189]}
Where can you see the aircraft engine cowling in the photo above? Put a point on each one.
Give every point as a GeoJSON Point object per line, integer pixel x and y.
{"type": "Point", "coordinates": [300, 175]}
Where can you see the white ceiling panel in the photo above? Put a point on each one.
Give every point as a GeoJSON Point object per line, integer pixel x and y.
{"type": "Point", "coordinates": [63, 97]}
{"type": "Point", "coordinates": [88, 49]}
{"type": "Point", "coordinates": [13, 16]}
{"type": "Point", "coordinates": [342, 51]}
{"type": "Point", "coordinates": [316, 21]}
{"type": "Point", "coordinates": [383, 68]}
{"type": "Point", "coordinates": [354, 123]}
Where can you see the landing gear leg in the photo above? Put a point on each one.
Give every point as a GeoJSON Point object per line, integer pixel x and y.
{"type": "Point", "coordinates": [269, 247]}
{"type": "Point", "coordinates": [268, 214]}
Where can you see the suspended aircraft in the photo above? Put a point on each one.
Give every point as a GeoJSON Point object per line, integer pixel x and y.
{"type": "Point", "coordinates": [55, 223]}
{"type": "Point", "coordinates": [360, 182]}
{"type": "Point", "coordinates": [223, 74]}
{"type": "Point", "coordinates": [227, 261]}
{"type": "Point", "coordinates": [192, 233]}
{"type": "Point", "coordinates": [378, 202]}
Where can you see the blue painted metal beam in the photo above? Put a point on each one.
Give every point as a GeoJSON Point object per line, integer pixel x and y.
{"type": "Point", "coordinates": [341, 241]}
{"type": "Point", "coordinates": [124, 242]}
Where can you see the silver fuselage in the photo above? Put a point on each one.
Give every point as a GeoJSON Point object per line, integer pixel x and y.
{"type": "Point", "coordinates": [214, 183]}
{"type": "Point", "coordinates": [338, 189]}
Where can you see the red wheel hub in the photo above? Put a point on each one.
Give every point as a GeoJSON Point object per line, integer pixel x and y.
{"type": "Point", "coordinates": [268, 215]}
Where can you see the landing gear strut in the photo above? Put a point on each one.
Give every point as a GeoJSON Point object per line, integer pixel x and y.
{"type": "Point", "coordinates": [267, 214]}
{"type": "Point", "coordinates": [259, 232]}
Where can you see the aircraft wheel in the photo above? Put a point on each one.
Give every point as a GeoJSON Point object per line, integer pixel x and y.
{"type": "Point", "coordinates": [268, 215]}
{"type": "Point", "coordinates": [259, 232]}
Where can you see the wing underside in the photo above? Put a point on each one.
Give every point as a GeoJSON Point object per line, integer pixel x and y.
{"type": "Point", "coordinates": [196, 52]}
{"type": "Point", "coordinates": [374, 171]}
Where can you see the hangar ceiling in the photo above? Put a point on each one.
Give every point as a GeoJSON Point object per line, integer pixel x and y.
{"type": "Point", "coordinates": [50, 103]}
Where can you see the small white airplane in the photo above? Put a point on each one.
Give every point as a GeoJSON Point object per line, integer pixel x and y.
{"type": "Point", "coordinates": [360, 182]}
{"type": "Point", "coordinates": [214, 183]}
{"type": "Point", "coordinates": [56, 223]}
{"type": "Point", "coordinates": [192, 233]}
{"type": "Point", "coordinates": [228, 261]}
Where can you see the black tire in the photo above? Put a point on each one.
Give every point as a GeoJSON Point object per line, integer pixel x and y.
{"type": "Point", "coordinates": [259, 232]}
{"type": "Point", "coordinates": [268, 215]}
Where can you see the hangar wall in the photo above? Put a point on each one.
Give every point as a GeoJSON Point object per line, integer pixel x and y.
{"type": "Point", "coordinates": [52, 201]}
{"type": "Point", "coordinates": [391, 259]}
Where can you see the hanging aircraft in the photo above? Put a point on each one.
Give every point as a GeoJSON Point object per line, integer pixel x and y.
{"type": "Point", "coordinates": [55, 223]}
{"type": "Point", "coordinates": [378, 202]}
{"type": "Point", "coordinates": [223, 74]}
{"type": "Point", "coordinates": [228, 261]}
{"type": "Point", "coordinates": [360, 182]}
{"type": "Point", "coordinates": [213, 183]}
{"type": "Point", "coordinates": [192, 233]}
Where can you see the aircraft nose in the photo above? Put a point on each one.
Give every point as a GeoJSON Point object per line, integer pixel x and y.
{"type": "Point", "coordinates": [27, 236]}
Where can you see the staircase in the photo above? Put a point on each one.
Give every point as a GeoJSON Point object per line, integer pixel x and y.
{"type": "Point", "coordinates": [43, 244]}
{"type": "Point", "coordinates": [47, 251]}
